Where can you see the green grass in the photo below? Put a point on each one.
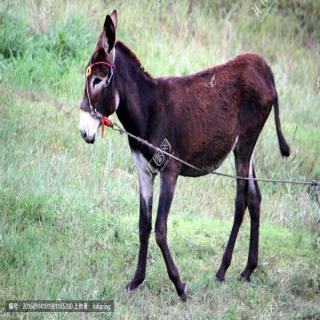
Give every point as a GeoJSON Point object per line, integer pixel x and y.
{"type": "Point", "coordinates": [69, 211]}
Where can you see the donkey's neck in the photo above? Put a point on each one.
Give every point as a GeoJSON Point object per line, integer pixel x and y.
{"type": "Point", "coordinates": [137, 91]}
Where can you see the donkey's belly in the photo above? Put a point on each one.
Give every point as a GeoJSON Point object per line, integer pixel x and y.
{"type": "Point", "coordinates": [190, 172]}
{"type": "Point", "coordinates": [207, 161]}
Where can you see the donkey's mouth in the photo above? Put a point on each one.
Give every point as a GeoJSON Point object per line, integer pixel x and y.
{"type": "Point", "coordinates": [86, 138]}
{"type": "Point", "coordinates": [88, 127]}
{"type": "Point", "coordinates": [90, 140]}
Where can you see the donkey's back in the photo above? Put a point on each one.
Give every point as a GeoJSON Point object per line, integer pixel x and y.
{"type": "Point", "coordinates": [218, 108]}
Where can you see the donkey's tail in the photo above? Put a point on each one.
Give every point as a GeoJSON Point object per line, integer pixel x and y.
{"type": "Point", "coordinates": [284, 147]}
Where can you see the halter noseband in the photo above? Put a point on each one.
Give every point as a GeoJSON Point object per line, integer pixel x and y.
{"type": "Point", "coordinates": [104, 119]}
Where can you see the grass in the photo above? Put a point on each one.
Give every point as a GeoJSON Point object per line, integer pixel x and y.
{"type": "Point", "coordinates": [69, 211]}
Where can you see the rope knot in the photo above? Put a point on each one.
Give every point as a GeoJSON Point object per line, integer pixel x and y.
{"type": "Point", "coordinates": [105, 122]}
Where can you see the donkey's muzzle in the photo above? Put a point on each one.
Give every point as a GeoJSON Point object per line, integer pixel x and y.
{"type": "Point", "coordinates": [86, 138]}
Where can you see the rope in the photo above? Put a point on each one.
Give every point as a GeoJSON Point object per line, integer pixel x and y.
{"type": "Point", "coordinates": [313, 183]}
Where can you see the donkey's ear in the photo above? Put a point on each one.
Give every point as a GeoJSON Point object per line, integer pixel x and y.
{"type": "Point", "coordinates": [109, 27]}
{"type": "Point", "coordinates": [114, 18]}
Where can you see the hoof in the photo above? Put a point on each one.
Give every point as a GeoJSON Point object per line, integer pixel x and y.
{"type": "Point", "coordinates": [184, 295]}
{"type": "Point", "coordinates": [219, 278]}
{"type": "Point", "coordinates": [133, 284]}
{"type": "Point", "coordinates": [130, 287]}
{"type": "Point", "coordinates": [244, 277]}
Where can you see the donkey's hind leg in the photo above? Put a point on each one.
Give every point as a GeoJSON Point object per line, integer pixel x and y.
{"type": "Point", "coordinates": [242, 168]}
{"type": "Point", "coordinates": [254, 200]}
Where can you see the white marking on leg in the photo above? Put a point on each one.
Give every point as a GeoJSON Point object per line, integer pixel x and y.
{"type": "Point", "coordinates": [88, 124]}
{"type": "Point", "coordinates": [145, 178]}
{"type": "Point", "coordinates": [117, 99]}
{"type": "Point", "coordinates": [252, 186]}
{"type": "Point", "coordinates": [234, 144]}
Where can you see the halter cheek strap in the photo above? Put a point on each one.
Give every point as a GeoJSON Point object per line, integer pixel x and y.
{"type": "Point", "coordinates": [104, 120]}
{"type": "Point", "coordinates": [89, 72]}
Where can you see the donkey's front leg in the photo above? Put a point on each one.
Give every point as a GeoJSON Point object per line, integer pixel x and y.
{"type": "Point", "coordinates": [146, 191]}
{"type": "Point", "coordinates": [167, 185]}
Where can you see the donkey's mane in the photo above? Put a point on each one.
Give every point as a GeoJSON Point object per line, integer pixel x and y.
{"type": "Point", "coordinates": [132, 56]}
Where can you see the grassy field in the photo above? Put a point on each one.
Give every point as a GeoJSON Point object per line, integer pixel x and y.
{"type": "Point", "coordinates": [69, 211]}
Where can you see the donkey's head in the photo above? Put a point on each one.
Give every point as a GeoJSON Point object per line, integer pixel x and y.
{"type": "Point", "coordinates": [100, 97]}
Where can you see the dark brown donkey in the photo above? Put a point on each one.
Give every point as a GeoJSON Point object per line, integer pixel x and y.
{"type": "Point", "coordinates": [199, 118]}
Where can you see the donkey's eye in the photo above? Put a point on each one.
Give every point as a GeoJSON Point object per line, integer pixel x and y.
{"type": "Point", "coordinates": [96, 81]}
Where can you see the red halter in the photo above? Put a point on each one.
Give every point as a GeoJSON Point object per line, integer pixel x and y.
{"type": "Point", "coordinates": [104, 120]}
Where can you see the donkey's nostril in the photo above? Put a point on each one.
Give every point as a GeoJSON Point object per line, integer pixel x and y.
{"type": "Point", "coordinates": [83, 133]}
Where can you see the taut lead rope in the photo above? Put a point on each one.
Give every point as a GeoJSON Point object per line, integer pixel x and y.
{"type": "Point", "coordinates": [116, 127]}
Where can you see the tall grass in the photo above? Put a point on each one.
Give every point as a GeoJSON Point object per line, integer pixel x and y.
{"type": "Point", "coordinates": [68, 223]}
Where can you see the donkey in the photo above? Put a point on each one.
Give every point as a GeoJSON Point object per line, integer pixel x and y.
{"type": "Point", "coordinates": [200, 122]}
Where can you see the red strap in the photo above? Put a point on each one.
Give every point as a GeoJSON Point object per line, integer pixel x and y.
{"type": "Point", "coordinates": [105, 122]}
